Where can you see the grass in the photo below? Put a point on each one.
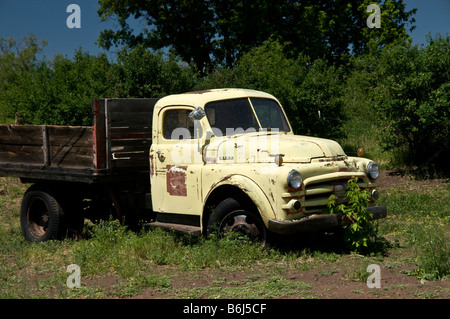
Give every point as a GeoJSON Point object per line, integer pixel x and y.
{"type": "Point", "coordinates": [272, 287]}
{"type": "Point", "coordinates": [421, 221]}
{"type": "Point", "coordinates": [116, 262]}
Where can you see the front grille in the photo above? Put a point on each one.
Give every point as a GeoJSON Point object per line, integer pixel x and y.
{"type": "Point", "coordinates": [318, 193]}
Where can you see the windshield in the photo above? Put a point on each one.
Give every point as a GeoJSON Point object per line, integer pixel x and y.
{"type": "Point", "coordinates": [229, 117]}
{"type": "Point", "coordinates": [269, 114]}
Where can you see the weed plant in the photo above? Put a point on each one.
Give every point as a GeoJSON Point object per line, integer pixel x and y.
{"type": "Point", "coordinates": [432, 251]}
{"type": "Point", "coordinates": [361, 231]}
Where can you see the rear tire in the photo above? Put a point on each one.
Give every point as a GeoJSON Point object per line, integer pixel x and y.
{"type": "Point", "coordinates": [41, 216]}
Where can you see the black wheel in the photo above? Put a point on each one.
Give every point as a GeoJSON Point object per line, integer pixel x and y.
{"type": "Point", "coordinates": [41, 216]}
{"type": "Point", "coordinates": [229, 215]}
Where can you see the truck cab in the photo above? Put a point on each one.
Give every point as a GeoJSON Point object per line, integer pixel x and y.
{"type": "Point", "coordinates": [227, 159]}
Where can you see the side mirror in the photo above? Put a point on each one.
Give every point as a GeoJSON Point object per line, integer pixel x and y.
{"type": "Point", "coordinates": [197, 114]}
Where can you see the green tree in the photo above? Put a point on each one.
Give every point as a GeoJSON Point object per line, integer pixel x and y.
{"type": "Point", "coordinates": [240, 26]}
{"type": "Point", "coordinates": [142, 73]}
{"type": "Point", "coordinates": [409, 88]}
{"type": "Point", "coordinates": [208, 33]}
{"type": "Point", "coordinates": [183, 25]}
{"type": "Point", "coordinates": [52, 92]}
{"type": "Point", "coordinates": [17, 67]}
{"type": "Point", "coordinates": [64, 88]}
{"type": "Point", "coordinates": [60, 91]}
{"type": "Point", "coordinates": [395, 21]}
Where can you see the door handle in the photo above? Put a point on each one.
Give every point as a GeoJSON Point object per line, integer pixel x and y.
{"type": "Point", "coordinates": [161, 156]}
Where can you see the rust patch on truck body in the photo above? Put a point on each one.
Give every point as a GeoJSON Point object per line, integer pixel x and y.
{"type": "Point", "coordinates": [176, 180]}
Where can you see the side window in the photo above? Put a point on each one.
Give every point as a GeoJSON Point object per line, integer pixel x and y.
{"type": "Point", "coordinates": [177, 126]}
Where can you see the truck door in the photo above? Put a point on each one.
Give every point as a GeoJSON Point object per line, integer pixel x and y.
{"type": "Point", "coordinates": [176, 164]}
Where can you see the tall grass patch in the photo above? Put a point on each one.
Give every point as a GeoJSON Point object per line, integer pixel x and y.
{"type": "Point", "coordinates": [420, 219]}
{"type": "Point", "coordinates": [112, 248]}
{"type": "Point", "coordinates": [108, 250]}
{"type": "Point", "coordinates": [432, 252]}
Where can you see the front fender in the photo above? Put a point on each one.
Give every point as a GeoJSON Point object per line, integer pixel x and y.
{"type": "Point", "coordinates": [252, 190]}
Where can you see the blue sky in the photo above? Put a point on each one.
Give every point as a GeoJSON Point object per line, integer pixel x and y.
{"type": "Point", "coordinates": [47, 20]}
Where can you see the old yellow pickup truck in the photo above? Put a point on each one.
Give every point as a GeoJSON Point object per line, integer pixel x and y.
{"type": "Point", "coordinates": [222, 159]}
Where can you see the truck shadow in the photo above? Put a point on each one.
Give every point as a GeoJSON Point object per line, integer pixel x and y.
{"type": "Point", "coordinates": [324, 242]}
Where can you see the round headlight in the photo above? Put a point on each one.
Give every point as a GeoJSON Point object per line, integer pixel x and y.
{"type": "Point", "coordinates": [373, 170]}
{"type": "Point", "coordinates": [294, 179]}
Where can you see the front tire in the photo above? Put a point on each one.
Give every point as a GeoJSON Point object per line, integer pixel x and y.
{"type": "Point", "coordinates": [230, 215]}
{"type": "Point", "coordinates": [41, 216]}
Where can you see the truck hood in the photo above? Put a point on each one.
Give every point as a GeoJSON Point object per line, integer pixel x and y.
{"type": "Point", "coordinates": [264, 147]}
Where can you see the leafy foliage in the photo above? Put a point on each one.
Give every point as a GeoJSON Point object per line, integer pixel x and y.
{"type": "Point", "coordinates": [17, 67]}
{"type": "Point", "coordinates": [395, 24]}
{"type": "Point", "coordinates": [360, 230]}
{"type": "Point", "coordinates": [408, 87]}
{"type": "Point", "coordinates": [63, 89]}
{"type": "Point", "coordinates": [60, 92]}
{"type": "Point", "coordinates": [141, 73]}
{"type": "Point", "coordinates": [208, 33]}
{"type": "Point", "coordinates": [50, 92]}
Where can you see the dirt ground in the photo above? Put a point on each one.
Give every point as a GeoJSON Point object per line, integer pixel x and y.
{"type": "Point", "coordinates": [329, 282]}
{"type": "Point", "coordinates": [393, 179]}
{"type": "Point", "coordinates": [326, 283]}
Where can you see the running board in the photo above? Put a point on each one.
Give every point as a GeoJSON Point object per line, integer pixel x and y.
{"type": "Point", "coordinates": [185, 229]}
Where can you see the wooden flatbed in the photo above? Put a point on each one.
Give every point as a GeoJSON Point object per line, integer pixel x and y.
{"type": "Point", "coordinates": [114, 148]}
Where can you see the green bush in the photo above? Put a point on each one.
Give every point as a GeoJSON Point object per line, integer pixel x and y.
{"type": "Point", "coordinates": [56, 92]}
{"type": "Point", "coordinates": [141, 73]}
{"type": "Point", "coordinates": [360, 231]}
{"type": "Point", "coordinates": [60, 91]}
{"type": "Point", "coordinates": [412, 98]}
{"type": "Point", "coordinates": [397, 101]}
